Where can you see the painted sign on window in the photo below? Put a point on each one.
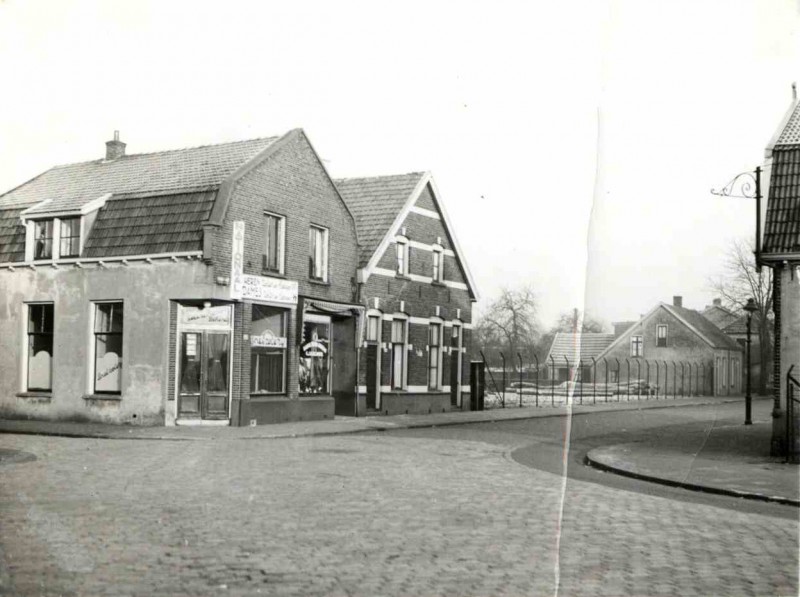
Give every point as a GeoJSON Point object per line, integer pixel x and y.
{"type": "Point", "coordinates": [215, 317]}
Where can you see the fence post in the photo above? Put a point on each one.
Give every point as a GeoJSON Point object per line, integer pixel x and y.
{"type": "Point", "coordinates": [628, 362]}
{"type": "Point", "coordinates": [618, 376]}
{"type": "Point", "coordinates": [566, 395]}
{"type": "Point", "coordinates": [552, 382]}
{"type": "Point", "coordinates": [682, 379]}
{"type": "Point", "coordinates": [519, 357]}
{"type": "Point", "coordinates": [605, 362]}
{"type": "Point", "coordinates": [536, 358]}
{"type": "Point", "coordinates": [674, 380]}
{"type": "Point", "coordinates": [690, 379]}
{"type": "Point", "coordinates": [579, 378]}
{"type": "Point", "coordinates": [647, 364]}
{"type": "Point", "coordinates": [594, 381]}
{"type": "Point", "coordinates": [638, 379]}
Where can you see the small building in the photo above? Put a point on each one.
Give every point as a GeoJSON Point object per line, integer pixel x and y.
{"type": "Point", "coordinates": [679, 350]}
{"type": "Point", "coordinates": [418, 292]}
{"type": "Point", "coordinates": [570, 355]}
{"type": "Point", "coordinates": [780, 250]}
{"type": "Point", "coordinates": [212, 285]}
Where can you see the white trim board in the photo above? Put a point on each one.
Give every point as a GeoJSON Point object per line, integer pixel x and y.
{"type": "Point", "coordinates": [388, 273]}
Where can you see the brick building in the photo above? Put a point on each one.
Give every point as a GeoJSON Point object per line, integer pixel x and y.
{"type": "Point", "coordinates": [780, 250]}
{"type": "Point", "coordinates": [569, 350]}
{"type": "Point", "coordinates": [209, 285]}
{"type": "Point", "coordinates": [683, 343]}
{"type": "Point", "coordinates": [418, 293]}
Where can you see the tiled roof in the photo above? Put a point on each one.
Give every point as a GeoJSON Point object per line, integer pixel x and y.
{"type": "Point", "coordinates": [140, 226]}
{"type": "Point", "coordinates": [782, 227]}
{"type": "Point", "coordinates": [581, 346]}
{"type": "Point", "coordinates": [190, 169]}
{"type": "Point", "coordinates": [739, 326]}
{"type": "Point", "coordinates": [12, 236]}
{"type": "Point", "coordinates": [714, 335]}
{"type": "Point", "coordinates": [375, 203]}
{"type": "Point", "coordinates": [790, 135]}
{"type": "Point", "coordinates": [719, 316]}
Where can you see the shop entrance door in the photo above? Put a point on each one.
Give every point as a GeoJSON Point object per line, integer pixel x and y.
{"type": "Point", "coordinates": [203, 375]}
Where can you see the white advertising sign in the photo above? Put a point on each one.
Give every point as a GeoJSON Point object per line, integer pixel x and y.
{"type": "Point", "coordinates": [237, 259]}
{"type": "Point", "coordinates": [267, 340]}
{"type": "Point", "coordinates": [268, 290]}
{"type": "Point", "coordinates": [216, 317]}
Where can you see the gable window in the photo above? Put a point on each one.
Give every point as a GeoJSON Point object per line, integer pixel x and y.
{"type": "Point", "coordinates": [40, 347]}
{"type": "Point", "coordinates": [434, 356]}
{"type": "Point", "coordinates": [274, 243]}
{"type": "Point", "coordinates": [438, 265]}
{"type": "Point", "coordinates": [661, 335]}
{"type": "Point", "coordinates": [399, 334]}
{"type": "Point", "coordinates": [318, 253]}
{"type": "Point", "coordinates": [268, 350]}
{"type": "Point", "coordinates": [636, 346]}
{"type": "Point", "coordinates": [401, 247]}
{"type": "Point", "coordinates": [108, 321]}
{"type": "Point", "coordinates": [43, 239]}
{"type": "Point", "coordinates": [70, 237]}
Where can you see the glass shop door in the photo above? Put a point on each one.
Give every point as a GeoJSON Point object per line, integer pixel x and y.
{"type": "Point", "coordinates": [203, 374]}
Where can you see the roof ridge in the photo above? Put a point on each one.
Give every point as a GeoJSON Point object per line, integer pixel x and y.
{"type": "Point", "coordinates": [380, 176]}
{"type": "Point", "coordinates": [163, 151]}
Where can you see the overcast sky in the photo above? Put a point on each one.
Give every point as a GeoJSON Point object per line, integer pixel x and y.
{"type": "Point", "coordinates": [574, 143]}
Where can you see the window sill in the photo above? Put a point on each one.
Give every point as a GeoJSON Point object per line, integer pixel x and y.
{"type": "Point", "coordinates": [268, 397]}
{"type": "Point", "coordinates": [272, 274]}
{"type": "Point", "coordinates": [102, 397]}
{"type": "Point", "coordinates": [438, 283]}
{"type": "Point", "coordinates": [319, 282]}
{"type": "Point", "coordinates": [36, 396]}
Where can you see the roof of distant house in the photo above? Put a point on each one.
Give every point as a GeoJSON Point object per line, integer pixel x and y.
{"type": "Point", "coordinates": [375, 202]}
{"type": "Point", "coordinates": [577, 346]}
{"type": "Point", "coordinates": [720, 316]}
{"type": "Point", "coordinates": [706, 328]}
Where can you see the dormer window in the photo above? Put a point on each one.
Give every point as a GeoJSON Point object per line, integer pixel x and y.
{"type": "Point", "coordinates": [54, 238]}
{"type": "Point", "coordinates": [401, 244]}
{"type": "Point", "coordinates": [43, 239]}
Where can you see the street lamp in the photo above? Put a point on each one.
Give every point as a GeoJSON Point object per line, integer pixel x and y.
{"type": "Point", "coordinates": [750, 307]}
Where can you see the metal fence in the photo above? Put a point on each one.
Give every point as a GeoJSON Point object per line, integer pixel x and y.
{"type": "Point", "coordinates": [591, 381]}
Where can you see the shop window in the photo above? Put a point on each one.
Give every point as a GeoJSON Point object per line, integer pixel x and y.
{"type": "Point", "coordinates": [315, 355]}
{"type": "Point", "coordinates": [402, 251]}
{"type": "Point", "coordinates": [268, 350]}
{"type": "Point", "coordinates": [399, 335]}
{"type": "Point", "coordinates": [108, 323]}
{"type": "Point", "coordinates": [661, 335]}
{"type": "Point", "coordinates": [373, 327]}
{"type": "Point", "coordinates": [274, 243]}
{"type": "Point", "coordinates": [70, 237]}
{"type": "Point", "coordinates": [318, 254]}
{"type": "Point", "coordinates": [636, 346]}
{"type": "Point", "coordinates": [43, 239]}
{"type": "Point", "coordinates": [40, 347]}
{"type": "Point", "coordinates": [434, 356]}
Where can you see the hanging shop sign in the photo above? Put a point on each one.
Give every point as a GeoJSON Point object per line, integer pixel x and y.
{"type": "Point", "coordinates": [269, 290]}
{"type": "Point", "coordinates": [237, 260]}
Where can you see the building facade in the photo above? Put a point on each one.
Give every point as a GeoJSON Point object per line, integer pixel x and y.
{"type": "Point", "coordinates": [214, 285]}
{"type": "Point", "coordinates": [418, 293]}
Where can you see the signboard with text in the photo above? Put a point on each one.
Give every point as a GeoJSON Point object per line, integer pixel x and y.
{"type": "Point", "coordinates": [269, 290]}
{"type": "Point", "coordinates": [237, 259]}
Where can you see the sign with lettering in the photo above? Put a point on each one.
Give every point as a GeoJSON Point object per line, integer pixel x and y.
{"type": "Point", "coordinates": [213, 317]}
{"type": "Point", "coordinates": [237, 260]}
{"type": "Point", "coordinates": [267, 340]}
{"type": "Point", "coordinates": [269, 290]}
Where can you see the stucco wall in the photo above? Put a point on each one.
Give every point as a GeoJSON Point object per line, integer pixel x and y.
{"type": "Point", "coordinates": [145, 290]}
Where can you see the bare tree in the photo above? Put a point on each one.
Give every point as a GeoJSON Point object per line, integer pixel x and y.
{"type": "Point", "coordinates": [739, 281]}
{"type": "Point", "coordinates": [509, 324]}
{"type": "Point", "coordinates": [567, 322]}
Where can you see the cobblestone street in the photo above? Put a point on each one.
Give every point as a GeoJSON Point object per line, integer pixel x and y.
{"type": "Point", "coordinates": [378, 514]}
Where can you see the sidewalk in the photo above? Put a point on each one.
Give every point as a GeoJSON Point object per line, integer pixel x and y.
{"type": "Point", "coordinates": [728, 458]}
{"type": "Point", "coordinates": [337, 426]}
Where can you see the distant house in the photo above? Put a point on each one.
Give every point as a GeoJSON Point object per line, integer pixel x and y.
{"type": "Point", "coordinates": [418, 292]}
{"type": "Point", "coordinates": [570, 355]}
{"type": "Point", "coordinates": [720, 316]}
{"type": "Point", "coordinates": [780, 250]}
{"type": "Point", "coordinates": [682, 350]}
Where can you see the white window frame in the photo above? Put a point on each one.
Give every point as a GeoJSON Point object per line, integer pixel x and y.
{"type": "Point", "coordinates": [404, 352]}
{"type": "Point", "coordinates": [437, 272]}
{"type": "Point", "coordinates": [321, 253]}
{"type": "Point", "coordinates": [92, 368]}
{"type": "Point", "coordinates": [402, 255]}
{"type": "Point", "coordinates": [665, 327]}
{"type": "Point", "coordinates": [439, 361]}
{"type": "Point", "coordinates": [55, 252]}
{"type": "Point", "coordinates": [376, 318]}
{"type": "Point", "coordinates": [25, 361]}
{"type": "Point", "coordinates": [284, 371]}
{"type": "Point", "coordinates": [281, 247]}
{"type": "Point", "coordinates": [640, 346]}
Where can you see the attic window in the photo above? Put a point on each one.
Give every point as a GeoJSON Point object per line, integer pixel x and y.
{"type": "Point", "coordinates": [54, 238]}
{"type": "Point", "coordinates": [401, 247]}
{"type": "Point", "coordinates": [661, 335]}
{"type": "Point", "coordinates": [43, 239]}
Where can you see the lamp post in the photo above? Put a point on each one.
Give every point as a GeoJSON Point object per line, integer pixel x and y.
{"type": "Point", "coordinates": [750, 307]}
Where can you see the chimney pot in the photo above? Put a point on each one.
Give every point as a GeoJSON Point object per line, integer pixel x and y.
{"type": "Point", "coordinates": [115, 149]}
{"type": "Point", "coordinates": [717, 302]}
{"type": "Point", "coordinates": [677, 301]}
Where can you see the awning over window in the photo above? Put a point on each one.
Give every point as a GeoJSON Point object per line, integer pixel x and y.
{"type": "Point", "coordinates": [336, 309]}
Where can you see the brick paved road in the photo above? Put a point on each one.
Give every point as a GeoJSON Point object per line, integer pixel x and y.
{"type": "Point", "coordinates": [356, 515]}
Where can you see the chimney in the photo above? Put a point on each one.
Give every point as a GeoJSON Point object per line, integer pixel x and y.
{"type": "Point", "coordinates": [677, 301]}
{"type": "Point", "coordinates": [717, 302]}
{"type": "Point", "coordinates": [114, 149]}
{"type": "Point", "coordinates": [794, 91]}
